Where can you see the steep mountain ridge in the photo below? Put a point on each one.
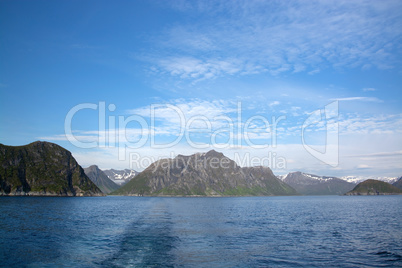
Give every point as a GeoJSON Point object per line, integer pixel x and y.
{"type": "Point", "coordinates": [204, 174]}
{"type": "Point", "coordinates": [398, 183]}
{"type": "Point", "coordinates": [98, 177]}
{"type": "Point", "coordinates": [42, 169]}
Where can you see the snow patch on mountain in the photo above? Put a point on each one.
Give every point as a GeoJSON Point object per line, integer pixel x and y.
{"type": "Point", "coordinates": [359, 179]}
{"type": "Point", "coordinates": [120, 177]}
{"type": "Point", "coordinates": [316, 177]}
{"type": "Point", "coordinates": [311, 176]}
{"type": "Point", "coordinates": [351, 179]}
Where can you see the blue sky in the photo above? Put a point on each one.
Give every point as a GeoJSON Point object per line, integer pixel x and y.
{"type": "Point", "coordinates": [208, 62]}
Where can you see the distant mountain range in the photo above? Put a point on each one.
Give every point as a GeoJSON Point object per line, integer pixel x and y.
{"type": "Point", "coordinates": [42, 169]}
{"type": "Point", "coordinates": [120, 177]}
{"type": "Point", "coordinates": [204, 174]}
{"type": "Point", "coordinates": [374, 187]}
{"type": "Point", "coordinates": [308, 184]}
{"type": "Point", "coordinates": [98, 177]}
{"type": "Point", "coordinates": [46, 169]}
{"type": "Point", "coordinates": [358, 179]}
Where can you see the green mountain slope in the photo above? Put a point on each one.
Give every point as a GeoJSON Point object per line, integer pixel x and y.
{"type": "Point", "coordinates": [204, 174]}
{"type": "Point", "coordinates": [42, 169]}
{"type": "Point", "coordinates": [374, 187]}
{"type": "Point", "coordinates": [98, 177]}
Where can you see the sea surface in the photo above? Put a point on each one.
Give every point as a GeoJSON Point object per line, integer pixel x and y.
{"type": "Point", "coordinates": [302, 231]}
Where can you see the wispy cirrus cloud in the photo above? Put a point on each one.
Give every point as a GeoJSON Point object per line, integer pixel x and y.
{"type": "Point", "coordinates": [190, 67]}
{"type": "Point", "coordinates": [354, 124]}
{"type": "Point", "coordinates": [374, 124]}
{"type": "Point", "coordinates": [183, 109]}
{"type": "Point", "coordinates": [280, 37]}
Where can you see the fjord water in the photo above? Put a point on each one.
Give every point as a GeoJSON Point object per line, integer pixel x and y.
{"type": "Point", "coordinates": [325, 231]}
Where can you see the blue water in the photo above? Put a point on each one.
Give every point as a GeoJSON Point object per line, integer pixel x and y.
{"type": "Point", "coordinates": [325, 231]}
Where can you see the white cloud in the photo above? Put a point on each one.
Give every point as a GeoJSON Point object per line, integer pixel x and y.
{"type": "Point", "coordinates": [178, 112]}
{"type": "Point", "coordinates": [375, 124]}
{"type": "Point", "coordinates": [186, 120]}
{"type": "Point", "coordinates": [278, 37]}
{"type": "Point", "coordinates": [315, 71]}
{"type": "Point", "coordinates": [372, 140]}
{"type": "Point", "coordinates": [379, 154]}
{"type": "Point", "coordinates": [362, 166]}
{"type": "Point", "coordinates": [193, 68]}
{"type": "Point", "coordinates": [274, 103]}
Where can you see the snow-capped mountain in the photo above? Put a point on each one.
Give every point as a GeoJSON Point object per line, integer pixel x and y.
{"type": "Point", "coordinates": [309, 184]}
{"type": "Point", "coordinates": [311, 176]}
{"type": "Point", "coordinates": [359, 179]}
{"type": "Point", "coordinates": [351, 179]}
{"type": "Point", "coordinates": [120, 177]}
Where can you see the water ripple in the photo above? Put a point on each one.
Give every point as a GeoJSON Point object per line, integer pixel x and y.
{"type": "Point", "coordinates": [201, 232]}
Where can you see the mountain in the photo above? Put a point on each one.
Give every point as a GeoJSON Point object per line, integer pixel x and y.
{"type": "Point", "coordinates": [358, 179]}
{"type": "Point", "coordinates": [374, 187]}
{"type": "Point", "coordinates": [42, 169]}
{"type": "Point", "coordinates": [98, 177]}
{"type": "Point", "coordinates": [308, 184]}
{"type": "Point", "coordinates": [204, 174]}
{"type": "Point", "coordinates": [120, 177]}
{"type": "Point", "coordinates": [398, 183]}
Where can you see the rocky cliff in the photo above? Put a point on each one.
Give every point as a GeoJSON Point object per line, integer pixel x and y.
{"type": "Point", "coordinates": [42, 169]}
{"type": "Point", "coordinates": [204, 174]}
